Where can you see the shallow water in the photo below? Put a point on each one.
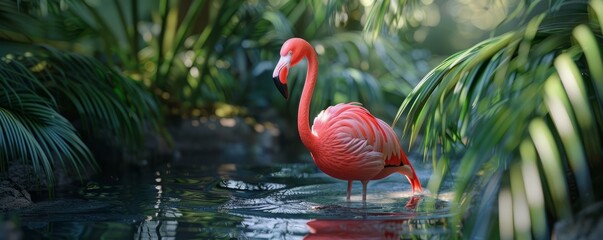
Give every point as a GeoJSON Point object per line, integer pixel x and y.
{"type": "Point", "coordinates": [235, 200]}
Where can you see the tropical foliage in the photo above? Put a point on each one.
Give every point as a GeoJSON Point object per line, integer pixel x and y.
{"type": "Point", "coordinates": [522, 111]}
{"type": "Point", "coordinates": [50, 98]}
{"type": "Point", "coordinates": [191, 57]}
{"type": "Point", "coordinates": [42, 89]}
{"type": "Point", "coordinates": [32, 128]}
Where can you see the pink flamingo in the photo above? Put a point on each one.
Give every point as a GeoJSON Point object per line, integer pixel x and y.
{"type": "Point", "coordinates": [346, 141]}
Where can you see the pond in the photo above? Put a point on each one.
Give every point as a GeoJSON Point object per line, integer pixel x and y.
{"type": "Point", "coordinates": [190, 198]}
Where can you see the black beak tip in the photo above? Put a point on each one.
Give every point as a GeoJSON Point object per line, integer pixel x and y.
{"type": "Point", "coordinates": [282, 88]}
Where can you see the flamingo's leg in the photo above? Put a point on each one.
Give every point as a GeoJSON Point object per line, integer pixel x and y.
{"type": "Point", "coordinates": [364, 182]}
{"type": "Point", "coordinates": [349, 189]}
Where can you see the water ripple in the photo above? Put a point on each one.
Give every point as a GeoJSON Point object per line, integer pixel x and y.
{"type": "Point", "coordinates": [244, 186]}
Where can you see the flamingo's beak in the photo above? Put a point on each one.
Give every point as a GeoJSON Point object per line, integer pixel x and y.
{"type": "Point", "coordinates": [280, 75]}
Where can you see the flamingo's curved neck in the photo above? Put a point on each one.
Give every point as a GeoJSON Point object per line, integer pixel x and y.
{"type": "Point", "coordinates": [303, 113]}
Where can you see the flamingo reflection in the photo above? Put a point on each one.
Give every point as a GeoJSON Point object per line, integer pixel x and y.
{"type": "Point", "coordinates": [365, 228]}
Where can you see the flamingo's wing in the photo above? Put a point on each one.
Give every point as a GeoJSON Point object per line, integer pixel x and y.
{"type": "Point", "coordinates": [392, 149]}
{"type": "Point", "coordinates": [353, 129]}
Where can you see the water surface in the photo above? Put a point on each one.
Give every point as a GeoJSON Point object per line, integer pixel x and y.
{"type": "Point", "coordinates": [235, 200]}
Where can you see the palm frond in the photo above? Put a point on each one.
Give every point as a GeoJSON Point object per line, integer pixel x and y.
{"type": "Point", "coordinates": [523, 111]}
{"type": "Point", "coordinates": [104, 99]}
{"type": "Point", "coordinates": [32, 129]}
{"type": "Point", "coordinates": [14, 23]}
{"type": "Point", "coordinates": [42, 86]}
{"type": "Point", "coordinates": [386, 16]}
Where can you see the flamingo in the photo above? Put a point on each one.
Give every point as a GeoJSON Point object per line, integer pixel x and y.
{"type": "Point", "coordinates": [346, 141]}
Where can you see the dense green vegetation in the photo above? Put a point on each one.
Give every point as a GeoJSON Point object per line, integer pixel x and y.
{"type": "Point", "coordinates": [45, 92]}
{"type": "Point", "coordinates": [517, 117]}
{"type": "Point", "coordinates": [523, 112]}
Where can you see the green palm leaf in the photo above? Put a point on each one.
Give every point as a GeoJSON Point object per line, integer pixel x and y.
{"type": "Point", "coordinates": [32, 130]}
{"type": "Point", "coordinates": [523, 111]}
{"type": "Point", "coordinates": [103, 99]}
{"type": "Point", "coordinates": [42, 84]}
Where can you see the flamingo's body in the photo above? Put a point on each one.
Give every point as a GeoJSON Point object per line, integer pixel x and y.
{"type": "Point", "coordinates": [346, 141]}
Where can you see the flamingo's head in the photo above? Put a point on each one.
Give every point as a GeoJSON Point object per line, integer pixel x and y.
{"type": "Point", "coordinates": [292, 52]}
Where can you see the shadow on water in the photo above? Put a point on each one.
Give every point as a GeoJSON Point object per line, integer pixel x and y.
{"type": "Point", "coordinates": [235, 200]}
